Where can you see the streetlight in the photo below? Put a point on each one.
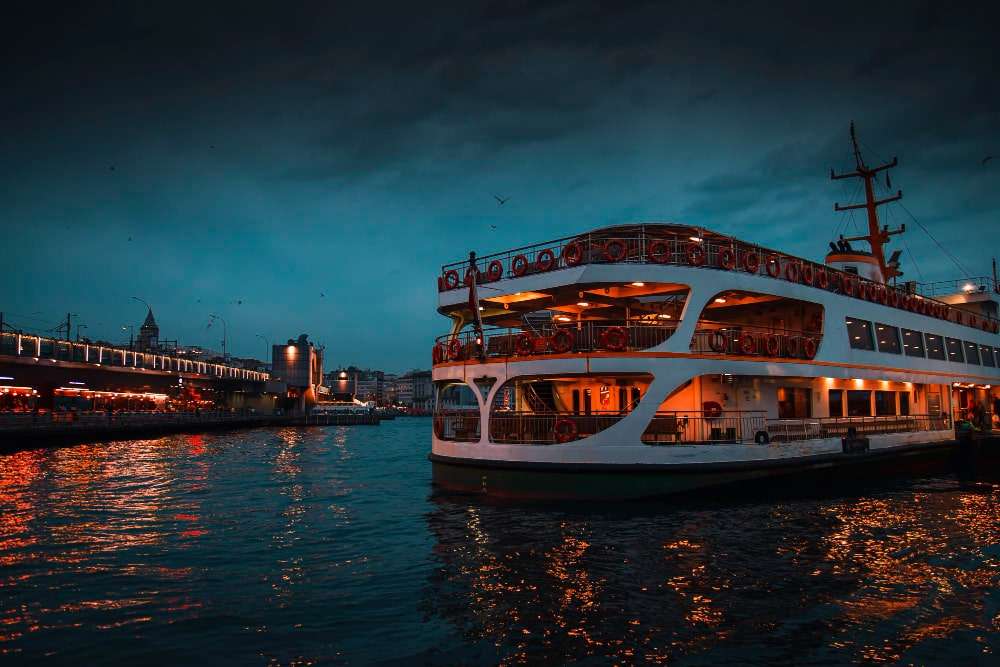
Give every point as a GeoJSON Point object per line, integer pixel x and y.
{"type": "Point", "coordinates": [267, 351]}
{"type": "Point", "coordinates": [225, 328]}
{"type": "Point", "coordinates": [78, 327]}
{"type": "Point", "coordinates": [143, 302]}
{"type": "Point", "coordinates": [131, 334]}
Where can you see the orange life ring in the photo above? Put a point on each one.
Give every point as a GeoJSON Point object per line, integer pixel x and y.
{"type": "Point", "coordinates": [615, 338]}
{"type": "Point", "coordinates": [572, 253]}
{"type": "Point", "coordinates": [751, 261]}
{"type": "Point", "coordinates": [809, 348]}
{"type": "Point", "coordinates": [848, 286]}
{"type": "Point", "coordinates": [717, 341]}
{"type": "Point", "coordinates": [494, 271]}
{"type": "Point", "coordinates": [773, 266]}
{"type": "Point", "coordinates": [619, 253]}
{"type": "Point", "coordinates": [519, 265]}
{"type": "Point", "coordinates": [545, 260]}
{"type": "Point", "coordinates": [564, 430]}
{"type": "Point", "coordinates": [562, 341]}
{"type": "Point", "coordinates": [455, 349]}
{"type": "Point", "coordinates": [695, 254]}
{"type": "Point", "coordinates": [836, 281]}
{"type": "Point", "coordinates": [658, 251]}
{"type": "Point", "coordinates": [746, 344]}
{"type": "Point", "coordinates": [727, 259]}
{"type": "Point", "coordinates": [524, 345]}
{"type": "Point", "coordinates": [792, 272]}
{"type": "Point", "coordinates": [822, 279]}
{"type": "Point", "coordinates": [792, 346]}
{"type": "Point", "coordinates": [808, 274]}
{"type": "Point", "coordinates": [773, 346]}
{"type": "Point", "coordinates": [450, 279]}
{"type": "Point", "coordinates": [711, 409]}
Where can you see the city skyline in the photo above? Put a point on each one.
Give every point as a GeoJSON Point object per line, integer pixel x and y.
{"type": "Point", "coordinates": [288, 171]}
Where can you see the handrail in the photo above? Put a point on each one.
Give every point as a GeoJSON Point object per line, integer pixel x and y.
{"type": "Point", "coordinates": [589, 336]}
{"type": "Point", "coordinates": [739, 339]}
{"type": "Point", "coordinates": [656, 245]}
{"type": "Point", "coordinates": [808, 428]}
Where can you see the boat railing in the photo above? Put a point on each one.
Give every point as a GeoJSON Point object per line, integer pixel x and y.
{"type": "Point", "coordinates": [670, 427]}
{"type": "Point", "coordinates": [736, 339]}
{"type": "Point", "coordinates": [457, 424]}
{"type": "Point", "coordinates": [592, 336]}
{"type": "Point", "coordinates": [546, 428]}
{"type": "Point", "coordinates": [970, 285]}
{"type": "Point", "coordinates": [652, 245]}
{"type": "Point", "coordinates": [787, 430]}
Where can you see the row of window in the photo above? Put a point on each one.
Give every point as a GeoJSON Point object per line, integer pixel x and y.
{"type": "Point", "coordinates": [796, 403]}
{"type": "Point", "coordinates": [864, 336]}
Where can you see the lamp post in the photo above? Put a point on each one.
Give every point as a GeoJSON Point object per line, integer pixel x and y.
{"type": "Point", "coordinates": [267, 350]}
{"type": "Point", "coordinates": [78, 327]}
{"type": "Point", "coordinates": [225, 335]}
{"type": "Point", "coordinates": [131, 334]}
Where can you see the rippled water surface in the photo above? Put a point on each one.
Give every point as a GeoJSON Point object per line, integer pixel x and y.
{"type": "Point", "coordinates": [307, 546]}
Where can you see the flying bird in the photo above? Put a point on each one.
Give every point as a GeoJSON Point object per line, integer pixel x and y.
{"type": "Point", "coordinates": [493, 227]}
{"type": "Point", "coordinates": [987, 159]}
{"type": "Point", "coordinates": [321, 294]}
{"type": "Point", "coordinates": [500, 200]}
{"type": "Point", "coordinates": [130, 238]}
{"type": "Point", "coordinates": [111, 168]}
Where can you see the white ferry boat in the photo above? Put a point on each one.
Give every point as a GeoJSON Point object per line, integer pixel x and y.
{"type": "Point", "coordinates": [648, 359]}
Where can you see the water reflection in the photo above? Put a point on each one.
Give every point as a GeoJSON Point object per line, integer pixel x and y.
{"type": "Point", "coordinates": [879, 579]}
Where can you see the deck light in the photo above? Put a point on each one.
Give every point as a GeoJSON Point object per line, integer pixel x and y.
{"type": "Point", "coordinates": [968, 287]}
{"type": "Point", "coordinates": [663, 316]}
{"type": "Point", "coordinates": [583, 304]}
{"type": "Point", "coordinates": [696, 239]}
{"type": "Point", "coordinates": [6, 377]}
{"type": "Point", "coordinates": [563, 318]}
{"type": "Point", "coordinates": [481, 308]}
{"type": "Point", "coordinates": [720, 300]}
{"type": "Point", "coordinates": [638, 284]}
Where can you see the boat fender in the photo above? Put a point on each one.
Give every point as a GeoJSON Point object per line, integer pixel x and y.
{"type": "Point", "coordinates": [519, 265]}
{"type": "Point", "coordinates": [524, 345]}
{"type": "Point", "coordinates": [695, 254]}
{"type": "Point", "coordinates": [848, 286]}
{"type": "Point", "coordinates": [773, 346]}
{"type": "Point", "coordinates": [572, 253]}
{"type": "Point", "coordinates": [615, 338]}
{"type": "Point", "coordinates": [562, 341]}
{"type": "Point", "coordinates": [762, 438]}
{"type": "Point", "coordinates": [615, 250]}
{"type": "Point", "coordinates": [808, 274]}
{"type": "Point", "coordinates": [747, 344]}
{"type": "Point", "coordinates": [717, 341]}
{"type": "Point", "coordinates": [455, 349]}
{"type": "Point", "coordinates": [545, 261]}
{"type": "Point", "coordinates": [450, 279]}
{"type": "Point", "coordinates": [658, 251]}
{"type": "Point", "coordinates": [792, 272]}
{"type": "Point", "coordinates": [564, 430]}
{"type": "Point", "coordinates": [494, 271]}
{"type": "Point", "coordinates": [751, 261]}
{"type": "Point", "coordinates": [727, 259]}
{"type": "Point", "coordinates": [792, 346]}
{"type": "Point", "coordinates": [809, 348]}
{"type": "Point", "coordinates": [773, 266]}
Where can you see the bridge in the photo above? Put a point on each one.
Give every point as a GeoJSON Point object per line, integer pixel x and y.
{"type": "Point", "coordinates": [49, 373]}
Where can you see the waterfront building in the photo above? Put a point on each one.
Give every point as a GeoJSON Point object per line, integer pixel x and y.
{"type": "Point", "coordinates": [149, 334]}
{"type": "Point", "coordinates": [299, 364]}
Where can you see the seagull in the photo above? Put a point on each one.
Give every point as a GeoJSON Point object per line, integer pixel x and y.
{"type": "Point", "coordinates": [130, 238]}
{"type": "Point", "coordinates": [111, 168]}
{"type": "Point", "coordinates": [501, 200]}
{"type": "Point", "coordinates": [986, 159]}
{"type": "Point", "coordinates": [321, 294]}
{"type": "Point", "coordinates": [493, 227]}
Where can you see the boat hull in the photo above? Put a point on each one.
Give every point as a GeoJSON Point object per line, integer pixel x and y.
{"type": "Point", "coordinates": [542, 481]}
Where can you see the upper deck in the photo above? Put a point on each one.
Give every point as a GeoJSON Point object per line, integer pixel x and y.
{"type": "Point", "coordinates": [687, 246]}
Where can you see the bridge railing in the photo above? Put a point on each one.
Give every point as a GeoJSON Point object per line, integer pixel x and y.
{"type": "Point", "coordinates": [26, 345]}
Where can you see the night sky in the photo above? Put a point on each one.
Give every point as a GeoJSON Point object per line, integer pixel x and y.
{"type": "Point", "coordinates": [200, 155]}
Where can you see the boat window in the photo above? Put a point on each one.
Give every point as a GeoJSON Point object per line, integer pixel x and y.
{"type": "Point", "coordinates": [794, 402]}
{"type": "Point", "coordinates": [860, 333]}
{"type": "Point", "coordinates": [971, 353]}
{"type": "Point", "coordinates": [885, 403]}
{"type": "Point", "coordinates": [859, 403]}
{"type": "Point", "coordinates": [887, 337]}
{"type": "Point", "coordinates": [935, 346]}
{"type": "Point", "coordinates": [913, 343]}
{"type": "Point", "coordinates": [904, 403]}
{"type": "Point", "coordinates": [836, 402]}
{"type": "Point", "coordinates": [954, 347]}
{"type": "Point", "coordinates": [987, 353]}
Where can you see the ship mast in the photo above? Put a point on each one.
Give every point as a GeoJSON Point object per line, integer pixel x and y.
{"type": "Point", "coordinates": [877, 236]}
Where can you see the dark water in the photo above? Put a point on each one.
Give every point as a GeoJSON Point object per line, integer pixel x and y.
{"type": "Point", "coordinates": [327, 546]}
